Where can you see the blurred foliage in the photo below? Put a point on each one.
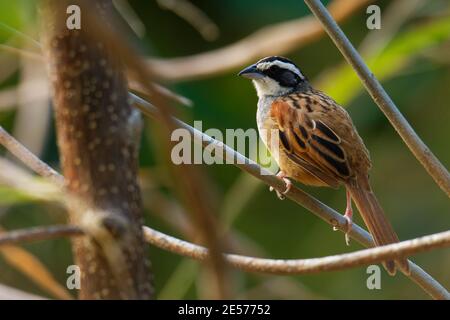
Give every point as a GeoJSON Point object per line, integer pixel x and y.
{"type": "Point", "coordinates": [414, 66]}
{"type": "Point", "coordinates": [343, 84]}
{"type": "Point", "coordinates": [9, 196]}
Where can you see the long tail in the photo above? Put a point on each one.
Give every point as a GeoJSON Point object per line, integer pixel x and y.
{"type": "Point", "coordinates": [375, 220]}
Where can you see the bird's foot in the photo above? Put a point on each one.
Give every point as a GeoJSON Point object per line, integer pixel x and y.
{"type": "Point", "coordinates": [348, 216]}
{"type": "Point", "coordinates": [349, 224]}
{"type": "Point", "coordinates": [281, 195]}
{"type": "Point", "coordinates": [349, 228]}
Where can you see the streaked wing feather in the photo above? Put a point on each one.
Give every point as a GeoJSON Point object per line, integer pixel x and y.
{"type": "Point", "coordinates": [310, 143]}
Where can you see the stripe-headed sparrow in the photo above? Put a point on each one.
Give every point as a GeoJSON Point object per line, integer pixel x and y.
{"type": "Point", "coordinates": [318, 143]}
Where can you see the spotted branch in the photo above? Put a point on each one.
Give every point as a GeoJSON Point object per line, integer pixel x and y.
{"type": "Point", "coordinates": [98, 155]}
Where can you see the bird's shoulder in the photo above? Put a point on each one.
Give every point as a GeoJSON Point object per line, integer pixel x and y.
{"type": "Point", "coordinates": [317, 126]}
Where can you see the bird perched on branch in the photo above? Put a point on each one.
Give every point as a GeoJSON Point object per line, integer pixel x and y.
{"type": "Point", "coordinates": [314, 142]}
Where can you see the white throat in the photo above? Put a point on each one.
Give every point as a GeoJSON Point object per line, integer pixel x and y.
{"type": "Point", "coordinates": [269, 87]}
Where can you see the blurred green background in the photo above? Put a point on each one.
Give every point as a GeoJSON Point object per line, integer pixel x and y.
{"type": "Point", "coordinates": [411, 54]}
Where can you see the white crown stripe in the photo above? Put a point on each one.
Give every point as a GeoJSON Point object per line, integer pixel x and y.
{"type": "Point", "coordinates": [281, 64]}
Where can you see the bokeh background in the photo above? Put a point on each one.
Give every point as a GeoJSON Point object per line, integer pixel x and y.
{"type": "Point", "coordinates": [410, 54]}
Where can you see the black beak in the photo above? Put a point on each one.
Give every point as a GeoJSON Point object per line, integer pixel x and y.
{"type": "Point", "coordinates": [251, 72]}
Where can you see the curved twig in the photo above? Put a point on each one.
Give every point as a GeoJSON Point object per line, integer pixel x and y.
{"type": "Point", "coordinates": [192, 15]}
{"type": "Point", "coordinates": [134, 86]}
{"type": "Point", "coordinates": [304, 266]}
{"type": "Point", "coordinates": [273, 40]}
{"type": "Point", "coordinates": [253, 264]}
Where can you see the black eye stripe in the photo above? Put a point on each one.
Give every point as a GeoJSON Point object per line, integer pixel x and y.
{"type": "Point", "coordinates": [284, 77]}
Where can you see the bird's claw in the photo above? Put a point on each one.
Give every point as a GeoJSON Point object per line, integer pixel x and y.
{"type": "Point", "coordinates": [349, 224]}
{"type": "Point", "coordinates": [281, 195]}
{"type": "Point", "coordinates": [349, 228]}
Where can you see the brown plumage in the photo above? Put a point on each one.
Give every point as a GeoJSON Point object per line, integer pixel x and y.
{"type": "Point", "coordinates": [317, 143]}
{"type": "Point", "coordinates": [320, 146]}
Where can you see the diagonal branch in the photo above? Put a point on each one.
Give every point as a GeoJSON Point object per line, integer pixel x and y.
{"type": "Point", "coordinates": [329, 215]}
{"type": "Point", "coordinates": [192, 15]}
{"type": "Point", "coordinates": [420, 150]}
{"type": "Point", "coordinates": [273, 40]}
{"type": "Point", "coordinates": [29, 159]}
{"type": "Point", "coordinates": [418, 275]}
{"type": "Point", "coordinates": [134, 86]}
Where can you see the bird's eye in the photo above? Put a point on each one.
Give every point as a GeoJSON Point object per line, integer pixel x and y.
{"type": "Point", "coordinates": [289, 79]}
{"type": "Point", "coordinates": [285, 77]}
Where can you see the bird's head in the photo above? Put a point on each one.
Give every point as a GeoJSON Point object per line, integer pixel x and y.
{"type": "Point", "coordinates": [274, 76]}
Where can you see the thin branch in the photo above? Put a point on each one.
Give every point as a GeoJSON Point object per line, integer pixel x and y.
{"type": "Point", "coordinates": [134, 86]}
{"type": "Point", "coordinates": [420, 150]}
{"type": "Point", "coordinates": [253, 264]}
{"type": "Point", "coordinates": [130, 16]}
{"type": "Point", "coordinates": [304, 266]}
{"type": "Point", "coordinates": [329, 215]}
{"type": "Point", "coordinates": [31, 267]}
{"type": "Point", "coordinates": [39, 234]}
{"type": "Point", "coordinates": [194, 16]}
{"type": "Point", "coordinates": [273, 40]}
{"type": "Point", "coordinates": [28, 158]}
